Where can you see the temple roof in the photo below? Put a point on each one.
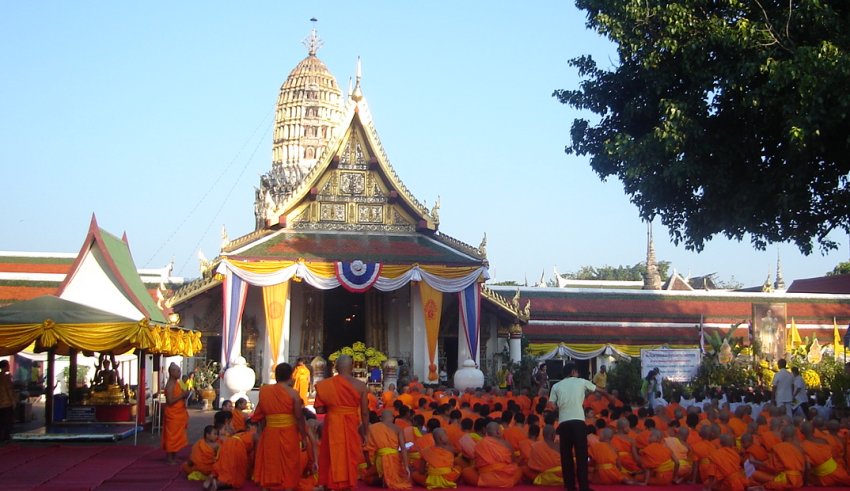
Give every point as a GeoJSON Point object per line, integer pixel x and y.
{"type": "Point", "coordinates": [349, 246]}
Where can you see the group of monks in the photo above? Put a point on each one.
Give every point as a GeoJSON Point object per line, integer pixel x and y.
{"type": "Point", "coordinates": [439, 439]}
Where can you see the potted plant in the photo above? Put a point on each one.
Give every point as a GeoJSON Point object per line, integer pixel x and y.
{"type": "Point", "coordinates": [205, 376]}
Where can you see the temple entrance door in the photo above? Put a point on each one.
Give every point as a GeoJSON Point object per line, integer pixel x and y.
{"type": "Point", "coordinates": [449, 348]}
{"type": "Point", "coordinates": [345, 322]}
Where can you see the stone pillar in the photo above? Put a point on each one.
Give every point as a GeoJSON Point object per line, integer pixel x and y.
{"type": "Point", "coordinates": [419, 349]}
{"type": "Point", "coordinates": [515, 343]}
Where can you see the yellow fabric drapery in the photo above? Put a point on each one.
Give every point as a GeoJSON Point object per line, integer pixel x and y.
{"type": "Point", "coordinates": [98, 337]}
{"type": "Point", "coordinates": [537, 349]}
{"type": "Point", "coordinates": [432, 310]}
{"type": "Point", "coordinates": [274, 300]}
{"type": "Point", "coordinates": [327, 269]}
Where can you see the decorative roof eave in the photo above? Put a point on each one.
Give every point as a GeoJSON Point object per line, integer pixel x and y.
{"type": "Point", "coordinates": [192, 290]}
{"type": "Point", "coordinates": [245, 239]}
{"type": "Point", "coordinates": [357, 109]}
{"type": "Point", "coordinates": [504, 304]}
{"type": "Point", "coordinates": [459, 245]}
{"type": "Point", "coordinates": [94, 236]}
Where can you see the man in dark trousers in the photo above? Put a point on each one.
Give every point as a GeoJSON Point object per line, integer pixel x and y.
{"type": "Point", "coordinates": [568, 395]}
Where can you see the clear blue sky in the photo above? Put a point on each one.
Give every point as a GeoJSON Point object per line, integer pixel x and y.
{"type": "Point", "coordinates": [157, 117]}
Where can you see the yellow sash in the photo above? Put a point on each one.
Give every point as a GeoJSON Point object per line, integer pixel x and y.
{"type": "Point", "coordinates": [825, 468]}
{"type": "Point", "coordinates": [435, 479]}
{"type": "Point", "coordinates": [666, 466]}
{"type": "Point", "coordinates": [379, 461]}
{"type": "Point", "coordinates": [605, 466]}
{"type": "Point", "coordinates": [343, 411]}
{"type": "Point", "coordinates": [550, 477]}
{"type": "Point", "coordinates": [280, 420]}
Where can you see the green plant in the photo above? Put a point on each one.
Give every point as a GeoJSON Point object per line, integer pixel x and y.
{"type": "Point", "coordinates": [624, 377]}
{"type": "Point", "coordinates": [82, 376]}
{"type": "Point", "coordinates": [206, 374]}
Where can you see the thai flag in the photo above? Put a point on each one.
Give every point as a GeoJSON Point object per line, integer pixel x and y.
{"type": "Point", "coordinates": [235, 290]}
{"type": "Point", "coordinates": [470, 315]}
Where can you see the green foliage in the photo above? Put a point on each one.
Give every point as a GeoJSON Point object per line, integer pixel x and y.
{"type": "Point", "coordinates": [712, 373]}
{"type": "Point", "coordinates": [840, 269]}
{"type": "Point", "coordinates": [82, 375]}
{"type": "Point", "coordinates": [624, 377]}
{"type": "Point", "coordinates": [723, 117]}
{"type": "Point", "coordinates": [206, 374]}
{"type": "Point", "coordinates": [618, 273]}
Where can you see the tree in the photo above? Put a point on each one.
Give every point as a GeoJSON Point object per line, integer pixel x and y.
{"type": "Point", "coordinates": [619, 273]}
{"type": "Point", "coordinates": [841, 268]}
{"type": "Point", "coordinates": [722, 117]}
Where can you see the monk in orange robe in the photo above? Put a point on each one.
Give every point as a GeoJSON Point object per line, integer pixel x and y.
{"type": "Point", "coordinates": [699, 455]}
{"type": "Point", "coordinates": [825, 471]}
{"type": "Point", "coordinates": [785, 465]}
{"type": "Point", "coordinates": [277, 463]}
{"type": "Point", "coordinates": [301, 380]}
{"type": "Point", "coordinates": [752, 449]}
{"type": "Point", "coordinates": [231, 467]}
{"type": "Point", "coordinates": [544, 461]}
{"type": "Point", "coordinates": [385, 446]}
{"type": "Point", "coordinates": [175, 415]}
{"type": "Point", "coordinates": [624, 443]}
{"type": "Point", "coordinates": [406, 398]}
{"type": "Point", "coordinates": [238, 412]}
{"type": "Point", "coordinates": [440, 471]}
{"type": "Point", "coordinates": [677, 443]}
{"type": "Point", "coordinates": [343, 399]}
{"type": "Point", "coordinates": [657, 461]}
{"type": "Point", "coordinates": [494, 467]}
{"type": "Point", "coordinates": [516, 433]}
{"type": "Point", "coordinates": [725, 470]}
{"type": "Point", "coordinates": [372, 401]}
{"type": "Point", "coordinates": [389, 396]}
{"type": "Point", "coordinates": [203, 456]}
{"type": "Point", "coordinates": [606, 461]}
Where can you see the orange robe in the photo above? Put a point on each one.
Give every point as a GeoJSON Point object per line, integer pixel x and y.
{"type": "Point", "coordinates": [788, 463]}
{"type": "Point", "coordinates": [514, 435]}
{"type": "Point", "coordinates": [341, 448]}
{"type": "Point", "coordinates": [680, 454]}
{"type": "Point", "coordinates": [387, 398]}
{"type": "Point", "coordinates": [406, 399]}
{"type": "Point", "coordinates": [201, 460]}
{"type": "Point", "coordinates": [726, 468]}
{"type": "Point", "coordinates": [301, 376]}
{"type": "Point", "coordinates": [699, 455]}
{"type": "Point", "coordinates": [238, 421]}
{"type": "Point", "coordinates": [231, 468]}
{"type": "Point", "coordinates": [604, 458]}
{"type": "Point", "coordinates": [825, 470]}
{"type": "Point", "coordinates": [176, 420]}
{"type": "Point", "coordinates": [454, 433]}
{"type": "Point", "coordinates": [373, 402]}
{"type": "Point", "coordinates": [658, 460]}
{"type": "Point", "coordinates": [737, 426]}
{"type": "Point", "coordinates": [383, 445]}
{"type": "Point", "coordinates": [624, 451]}
{"type": "Point", "coordinates": [525, 450]}
{"type": "Point", "coordinates": [494, 466]}
{"type": "Point", "coordinates": [756, 451]}
{"type": "Point", "coordinates": [440, 471]}
{"type": "Point", "coordinates": [544, 466]}
{"type": "Point", "coordinates": [277, 459]}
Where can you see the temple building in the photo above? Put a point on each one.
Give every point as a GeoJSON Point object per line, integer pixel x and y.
{"type": "Point", "coordinates": [343, 252]}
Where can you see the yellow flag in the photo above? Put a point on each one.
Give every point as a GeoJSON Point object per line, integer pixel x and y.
{"type": "Point", "coordinates": [837, 345]}
{"type": "Point", "coordinates": [274, 300]}
{"type": "Point", "coordinates": [432, 308]}
{"type": "Point", "coordinates": [794, 339]}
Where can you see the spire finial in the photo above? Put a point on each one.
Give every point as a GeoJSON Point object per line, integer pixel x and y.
{"type": "Point", "coordinates": [779, 284]}
{"type": "Point", "coordinates": [652, 279]}
{"type": "Point", "coordinates": [357, 93]}
{"type": "Point", "coordinates": [313, 42]}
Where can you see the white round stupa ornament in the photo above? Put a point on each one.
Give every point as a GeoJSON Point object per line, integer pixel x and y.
{"type": "Point", "coordinates": [468, 377]}
{"type": "Point", "coordinates": [239, 378]}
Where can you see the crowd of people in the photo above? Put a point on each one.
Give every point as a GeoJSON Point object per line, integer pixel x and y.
{"type": "Point", "coordinates": [572, 436]}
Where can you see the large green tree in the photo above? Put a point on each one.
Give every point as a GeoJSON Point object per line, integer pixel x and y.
{"type": "Point", "coordinates": [722, 116]}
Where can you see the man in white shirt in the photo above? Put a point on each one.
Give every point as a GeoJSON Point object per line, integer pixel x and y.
{"type": "Point", "coordinates": [568, 396]}
{"type": "Point", "coordinates": [783, 387]}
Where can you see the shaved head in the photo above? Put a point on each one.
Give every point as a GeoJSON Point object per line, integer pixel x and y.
{"type": "Point", "coordinates": [549, 433]}
{"type": "Point", "coordinates": [344, 364]}
{"type": "Point", "coordinates": [493, 429]}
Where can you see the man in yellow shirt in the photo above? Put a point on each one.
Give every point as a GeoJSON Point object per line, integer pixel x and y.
{"type": "Point", "coordinates": [600, 380]}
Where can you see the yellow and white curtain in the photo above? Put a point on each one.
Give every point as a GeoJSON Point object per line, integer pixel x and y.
{"type": "Point", "coordinates": [321, 275]}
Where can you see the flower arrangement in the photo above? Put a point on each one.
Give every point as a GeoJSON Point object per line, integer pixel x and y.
{"type": "Point", "coordinates": [206, 374]}
{"type": "Point", "coordinates": [359, 352]}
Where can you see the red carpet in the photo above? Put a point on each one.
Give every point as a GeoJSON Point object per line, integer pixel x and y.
{"type": "Point", "coordinates": [128, 468]}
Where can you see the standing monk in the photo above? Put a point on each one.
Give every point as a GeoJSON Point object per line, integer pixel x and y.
{"type": "Point", "coordinates": [175, 415]}
{"type": "Point", "coordinates": [301, 380]}
{"type": "Point", "coordinates": [343, 399]}
{"type": "Point", "coordinates": [278, 460]}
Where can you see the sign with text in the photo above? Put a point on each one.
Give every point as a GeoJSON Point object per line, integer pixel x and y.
{"type": "Point", "coordinates": [81, 414]}
{"type": "Point", "coordinates": [676, 365]}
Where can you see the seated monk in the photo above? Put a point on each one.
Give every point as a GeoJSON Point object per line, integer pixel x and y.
{"type": "Point", "coordinates": [656, 460]}
{"type": "Point", "coordinates": [785, 465]}
{"type": "Point", "coordinates": [389, 396]}
{"type": "Point", "coordinates": [606, 461]}
{"type": "Point", "coordinates": [544, 461]}
{"type": "Point", "coordinates": [470, 439]}
{"type": "Point", "coordinates": [440, 472]}
{"type": "Point", "coordinates": [239, 414]}
{"type": "Point", "coordinates": [203, 456]}
{"type": "Point", "coordinates": [751, 449]}
{"type": "Point", "coordinates": [677, 443]}
{"type": "Point", "coordinates": [624, 443]}
{"type": "Point", "coordinates": [825, 471]}
{"type": "Point", "coordinates": [231, 467]}
{"type": "Point", "coordinates": [525, 445]}
{"type": "Point", "coordinates": [725, 468]}
{"type": "Point", "coordinates": [700, 451]}
{"type": "Point", "coordinates": [386, 454]}
{"type": "Point", "coordinates": [493, 464]}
